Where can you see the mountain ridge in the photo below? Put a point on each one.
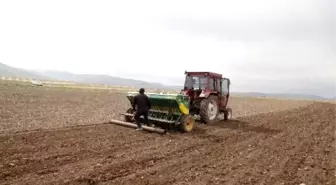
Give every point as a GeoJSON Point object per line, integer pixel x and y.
{"type": "Point", "coordinates": [9, 71]}
{"type": "Point", "coordinates": [99, 79]}
{"type": "Point", "coordinates": [6, 70]}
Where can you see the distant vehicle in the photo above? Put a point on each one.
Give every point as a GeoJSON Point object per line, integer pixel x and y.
{"type": "Point", "coordinates": [36, 83]}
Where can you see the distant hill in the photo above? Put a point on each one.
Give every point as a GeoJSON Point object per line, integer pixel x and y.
{"type": "Point", "coordinates": [281, 95]}
{"type": "Point", "coordinates": [9, 71]}
{"type": "Point", "coordinates": [100, 79]}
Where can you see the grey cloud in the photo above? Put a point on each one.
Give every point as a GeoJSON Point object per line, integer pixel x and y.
{"type": "Point", "coordinates": [260, 30]}
{"type": "Point", "coordinates": [300, 25]}
{"type": "Point", "coordinates": [288, 45]}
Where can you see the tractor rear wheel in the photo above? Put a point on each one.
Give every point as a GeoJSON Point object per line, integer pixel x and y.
{"type": "Point", "coordinates": [187, 123]}
{"type": "Point", "coordinates": [228, 114]}
{"type": "Point", "coordinates": [209, 110]}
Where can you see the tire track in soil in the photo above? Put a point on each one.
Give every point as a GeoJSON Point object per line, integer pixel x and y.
{"type": "Point", "coordinates": [260, 170]}
{"type": "Point", "coordinates": [65, 154]}
{"type": "Point", "coordinates": [113, 172]}
{"type": "Point", "coordinates": [121, 146]}
{"type": "Point", "coordinates": [261, 149]}
{"type": "Point", "coordinates": [176, 164]}
{"type": "Point", "coordinates": [287, 139]}
{"type": "Point", "coordinates": [137, 161]}
{"type": "Point", "coordinates": [267, 154]}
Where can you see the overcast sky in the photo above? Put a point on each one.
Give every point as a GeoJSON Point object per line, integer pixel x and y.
{"type": "Point", "coordinates": [262, 45]}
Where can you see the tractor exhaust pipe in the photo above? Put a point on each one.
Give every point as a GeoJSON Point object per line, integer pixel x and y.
{"type": "Point", "coordinates": [131, 125]}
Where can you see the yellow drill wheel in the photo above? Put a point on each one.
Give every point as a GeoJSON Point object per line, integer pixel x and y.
{"type": "Point", "coordinates": [187, 123]}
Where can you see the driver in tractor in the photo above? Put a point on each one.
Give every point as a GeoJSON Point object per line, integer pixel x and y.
{"type": "Point", "coordinates": [142, 104]}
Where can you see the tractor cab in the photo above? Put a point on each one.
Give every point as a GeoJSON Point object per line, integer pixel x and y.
{"type": "Point", "coordinates": [203, 84]}
{"type": "Point", "coordinates": [196, 82]}
{"type": "Point", "coordinates": [194, 85]}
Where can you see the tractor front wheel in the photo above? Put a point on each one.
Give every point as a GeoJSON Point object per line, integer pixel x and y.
{"type": "Point", "coordinates": [187, 123]}
{"type": "Point", "coordinates": [209, 110]}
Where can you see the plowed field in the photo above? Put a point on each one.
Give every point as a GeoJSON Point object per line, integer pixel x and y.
{"type": "Point", "coordinates": [61, 136]}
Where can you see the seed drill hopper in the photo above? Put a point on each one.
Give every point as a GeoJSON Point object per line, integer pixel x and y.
{"type": "Point", "coordinates": [168, 112]}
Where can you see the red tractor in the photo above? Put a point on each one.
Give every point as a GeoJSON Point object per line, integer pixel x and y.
{"type": "Point", "coordinates": [209, 95]}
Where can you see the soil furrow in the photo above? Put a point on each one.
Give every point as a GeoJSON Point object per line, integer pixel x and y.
{"type": "Point", "coordinates": [48, 137]}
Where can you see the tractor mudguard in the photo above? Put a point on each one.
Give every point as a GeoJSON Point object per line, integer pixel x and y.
{"type": "Point", "coordinates": [205, 94]}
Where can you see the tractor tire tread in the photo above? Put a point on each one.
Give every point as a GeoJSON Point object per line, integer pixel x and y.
{"type": "Point", "coordinates": [204, 111]}
{"type": "Point", "coordinates": [226, 113]}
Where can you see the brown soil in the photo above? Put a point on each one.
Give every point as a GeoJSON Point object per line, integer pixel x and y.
{"type": "Point", "coordinates": [47, 137]}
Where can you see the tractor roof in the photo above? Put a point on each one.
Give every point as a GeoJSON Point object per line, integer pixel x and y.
{"type": "Point", "coordinates": [216, 75]}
